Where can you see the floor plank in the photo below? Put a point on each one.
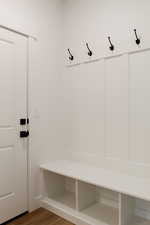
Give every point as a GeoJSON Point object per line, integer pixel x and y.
{"type": "Point", "coordinates": [40, 217]}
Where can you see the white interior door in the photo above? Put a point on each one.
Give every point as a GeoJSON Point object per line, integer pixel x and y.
{"type": "Point", "coordinates": [13, 107]}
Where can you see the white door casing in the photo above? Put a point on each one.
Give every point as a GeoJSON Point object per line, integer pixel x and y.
{"type": "Point", "coordinates": [13, 107]}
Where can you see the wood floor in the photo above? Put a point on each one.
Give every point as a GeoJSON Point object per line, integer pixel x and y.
{"type": "Point", "coordinates": [40, 217]}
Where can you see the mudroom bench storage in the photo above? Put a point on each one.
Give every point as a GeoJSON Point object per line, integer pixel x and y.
{"type": "Point", "coordinates": [87, 195]}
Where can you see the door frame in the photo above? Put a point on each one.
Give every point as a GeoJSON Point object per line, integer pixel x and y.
{"type": "Point", "coordinates": [18, 32]}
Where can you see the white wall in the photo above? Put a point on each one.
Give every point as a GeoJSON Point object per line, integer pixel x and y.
{"type": "Point", "coordinates": [95, 20]}
{"type": "Point", "coordinates": [43, 19]}
{"type": "Point", "coordinates": [92, 22]}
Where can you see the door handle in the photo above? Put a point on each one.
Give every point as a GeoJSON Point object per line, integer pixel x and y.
{"type": "Point", "coordinates": [24, 134]}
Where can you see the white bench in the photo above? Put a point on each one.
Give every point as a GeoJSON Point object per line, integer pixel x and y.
{"type": "Point", "coordinates": [73, 191]}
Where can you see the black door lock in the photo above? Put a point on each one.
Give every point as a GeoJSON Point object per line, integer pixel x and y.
{"type": "Point", "coordinates": [24, 134]}
{"type": "Point", "coordinates": [24, 121]}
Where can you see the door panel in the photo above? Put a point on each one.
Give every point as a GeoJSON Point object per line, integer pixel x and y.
{"type": "Point", "coordinates": [7, 137]}
{"type": "Point", "coordinates": [7, 172]}
{"type": "Point", "coordinates": [13, 150]}
{"type": "Point", "coordinates": [6, 83]}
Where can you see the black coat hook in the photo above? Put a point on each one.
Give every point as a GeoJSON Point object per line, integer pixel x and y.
{"type": "Point", "coordinates": [138, 41]}
{"type": "Point", "coordinates": [90, 53]}
{"type": "Point", "coordinates": [71, 57]}
{"type": "Point", "coordinates": [111, 45]}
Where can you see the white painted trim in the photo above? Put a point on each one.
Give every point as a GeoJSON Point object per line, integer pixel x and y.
{"type": "Point", "coordinates": [117, 54]}
{"type": "Point", "coordinates": [33, 202]}
{"type": "Point", "coordinates": [28, 126]}
{"type": "Point", "coordinates": [18, 32]}
{"type": "Point", "coordinates": [68, 213]}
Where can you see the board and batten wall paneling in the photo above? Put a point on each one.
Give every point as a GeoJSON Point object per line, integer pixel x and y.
{"type": "Point", "coordinates": [92, 21]}
{"type": "Point", "coordinates": [129, 151]}
{"type": "Point", "coordinates": [86, 97]}
{"type": "Point", "coordinates": [116, 107]}
{"type": "Point", "coordinates": [139, 107]}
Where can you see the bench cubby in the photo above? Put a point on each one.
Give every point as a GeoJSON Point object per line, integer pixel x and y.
{"type": "Point", "coordinates": [99, 204]}
{"type": "Point", "coordinates": [60, 189]}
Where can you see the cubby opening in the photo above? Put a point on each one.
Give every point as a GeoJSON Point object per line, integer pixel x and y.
{"type": "Point", "coordinates": [135, 211]}
{"type": "Point", "coordinates": [99, 205]}
{"type": "Point", "coordinates": [60, 189]}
